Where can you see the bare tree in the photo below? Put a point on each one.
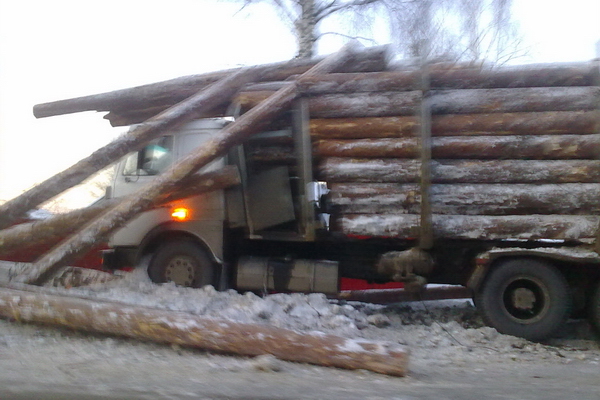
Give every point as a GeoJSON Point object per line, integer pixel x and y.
{"type": "Point", "coordinates": [465, 30]}
{"type": "Point", "coordinates": [303, 17]}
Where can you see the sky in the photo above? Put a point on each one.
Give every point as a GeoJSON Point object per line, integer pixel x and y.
{"type": "Point", "coordinates": [53, 50]}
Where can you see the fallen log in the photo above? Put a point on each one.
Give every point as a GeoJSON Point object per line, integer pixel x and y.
{"type": "Point", "coordinates": [135, 139]}
{"type": "Point", "coordinates": [231, 135]}
{"type": "Point", "coordinates": [523, 123]}
{"type": "Point", "coordinates": [479, 227]}
{"type": "Point", "coordinates": [335, 169]}
{"type": "Point", "coordinates": [48, 232]}
{"type": "Point", "coordinates": [480, 199]}
{"type": "Point", "coordinates": [170, 92]}
{"type": "Point", "coordinates": [553, 147]}
{"type": "Point", "coordinates": [463, 101]}
{"type": "Point", "coordinates": [211, 334]}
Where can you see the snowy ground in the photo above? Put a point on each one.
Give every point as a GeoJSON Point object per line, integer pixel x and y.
{"type": "Point", "coordinates": [453, 355]}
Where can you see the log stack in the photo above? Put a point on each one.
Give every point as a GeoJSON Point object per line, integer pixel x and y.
{"type": "Point", "coordinates": [515, 151]}
{"type": "Point", "coordinates": [504, 164]}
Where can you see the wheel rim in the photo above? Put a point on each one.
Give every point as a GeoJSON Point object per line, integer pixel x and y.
{"type": "Point", "coordinates": [180, 270]}
{"type": "Point", "coordinates": [525, 299]}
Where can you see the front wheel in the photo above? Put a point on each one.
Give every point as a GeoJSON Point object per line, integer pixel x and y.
{"type": "Point", "coordinates": [184, 263]}
{"type": "Point", "coordinates": [525, 297]}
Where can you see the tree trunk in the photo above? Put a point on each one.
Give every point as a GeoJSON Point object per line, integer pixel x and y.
{"type": "Point", "coordinates": [474, 147]}
{"type": "Point", "coordinates": [211, 334]}
{"type": "Point", "coordinates": [461, 171]}
{"type": "Point", "coordinates": [463, 101]}
{"type": "Point", "coordinates": [49, 232]}
{"type": "Point", "coordinates": [477, 227]}
{"type": "Point", "coordinates": [230, 136]}
{"type": "Point", "coordinates": [524, 123]}
{"type": "Point", "coordinates": [167, 93]}
{"type": "Point", "coordinates": [461, 199]}
{"type": "Point", "coordinates": [581, 74]}
{"type": "Point", "coordinates": [133, 140]}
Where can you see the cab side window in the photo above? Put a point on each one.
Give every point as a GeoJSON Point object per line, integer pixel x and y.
{"type": "Point", "coordinates": [152, 159]}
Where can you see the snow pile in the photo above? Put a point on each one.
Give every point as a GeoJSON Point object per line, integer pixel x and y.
{"type": "Point", "coordinates": [439, 332]}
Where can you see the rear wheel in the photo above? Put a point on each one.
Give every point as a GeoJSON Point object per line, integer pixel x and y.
{"type": "Point", "coordinates": [525, 297]}
{"type": "Point", "coordinates": [184, 263]}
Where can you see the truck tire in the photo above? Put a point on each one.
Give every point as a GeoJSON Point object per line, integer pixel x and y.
{"type": "Point", "coordinates": [184, 263]}
{"type": "Point", "coordinates": [525, 297]}
{"type": "Point", "coordinates": [594, 308]}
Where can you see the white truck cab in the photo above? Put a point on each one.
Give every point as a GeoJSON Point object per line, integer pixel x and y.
{"type": "Point", "coordinates": [194, 223]}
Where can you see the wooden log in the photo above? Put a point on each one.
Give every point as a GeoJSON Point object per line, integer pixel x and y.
{"type": "Point", "coordinates": [533, 75]}
{"type": "Point", "coordinates": [271, 154]}
{"type": "Point", "coordinates": [48, 232]}
{"type": "Point", "coordinates": [211, 334]}
{"type": "Point", "coordinates": [478, 227]}
{"type": "Point", "coordinates": [135, 139]}
{"type": "Point", "coordinates": [469, 101]}
{"type": "Point", "coordinates": [537, 75]}
{"type": "Point", "coordinates": [233, 134]}
{"type": "Point", "coordinates": [137, 116]}
{"type": "Point", "coordinates": [460, 199]}
{"type": "Point", "coordinates": [170, 92]}
{"type": "Point", "coordinates": [335, 169]}
{"type": "Point", "coordinates": [524, 123]}
{"type": "Point", "coordinates": [473, 147]}
{"type": "Point", "coordinates": [465, 101]}
{"type": "Point", "coordinates": [389, 296]}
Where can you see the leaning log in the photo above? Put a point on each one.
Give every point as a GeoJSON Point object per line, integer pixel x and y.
{"type": "Point", "coordinates": [211, 334]}
{"type": "Point", "coordinates": [553, 147]}
{"type": "Point", "coordinates": [523, 123]}
{"type": "Point", "coordinates": [233, 134]}
{"type": "Point", "coordinates": [335, 169]}
{"type": "Point", "coordinates": [135, 139]}
{"type": "Point", "coordinates": [465, 101]}
{"type": "Point", "coordinates": [168, 93]}
{"type": "Point", "coordinates": [478, 227]}
{"type": "Point", "coordinates": [461, 199]}
{"type": "Point", "coordinates": [48, 232]}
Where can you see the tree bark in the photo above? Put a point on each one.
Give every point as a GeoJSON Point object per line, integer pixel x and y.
{"type": "Point", "coordinates": [133, 140]}
{"type": "Point", "coordinates": [540, 75]}
{"type": "Point", "coordinates": [211, 334]}
{"type": "Point", "coordinates": [524, 123]}
{"type": "Point", "coordinates": [48, 232]}
{"type": "Point", "coordinates": [461, 171]}
{"type": "Point", "coordinates": [170, 92]}
{"type": "Point", "coordinates": [461, 199]}
{"type": "Point", "coordinates": [476, 227]}
{"type": "Point", "coordinates": [233, 134]}
{"type": "Point", "coordinates": [549, 75]}
{"type": "Point", "coordinates": [460, 101]}
{"type": "Point", "coordinates": [473, 147]}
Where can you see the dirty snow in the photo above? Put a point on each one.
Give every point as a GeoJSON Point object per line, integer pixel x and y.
{"type": "Point", "coordinates": [436, 332]}
{"type": "Point", "coordinates": [447, 340]}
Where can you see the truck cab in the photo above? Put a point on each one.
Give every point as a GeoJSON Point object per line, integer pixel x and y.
{"type": "Point", "coordinates": [195, 223]}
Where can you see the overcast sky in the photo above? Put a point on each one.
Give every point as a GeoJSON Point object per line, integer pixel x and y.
{"type": "Point", "coordinates": [51, 50]}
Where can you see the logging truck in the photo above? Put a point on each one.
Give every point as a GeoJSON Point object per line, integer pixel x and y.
{"type": "Point", "coordinates": [507, 205]}
{"type": "Point", "coordinates": [352, 167]}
